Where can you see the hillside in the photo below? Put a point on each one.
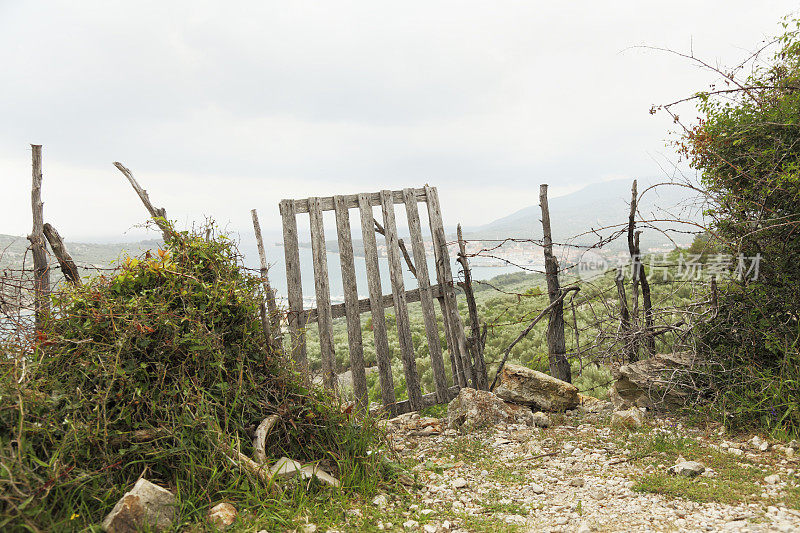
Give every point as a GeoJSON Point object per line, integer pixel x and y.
{"type": "Point", "coordinates": [13, 250]}
{"type": "Point", "coordinates": [596, 206]}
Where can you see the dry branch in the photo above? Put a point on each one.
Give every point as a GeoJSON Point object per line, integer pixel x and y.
{"type": "Point", "coordinates": [158, 214]}
{"type": "Point", "coordinates": [527, 330]}
{"type": "Point", "coordinates": [60, 251]}
{"type": "Point", "coordinates": [272, 324]}
{"type": "Point", "coordinates": [474, 341]}
{"type": "Point", "coordinates": [406, 256]}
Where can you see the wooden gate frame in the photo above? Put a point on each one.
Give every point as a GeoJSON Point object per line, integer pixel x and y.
{"type": "Point", "coordinates": [463, 370]}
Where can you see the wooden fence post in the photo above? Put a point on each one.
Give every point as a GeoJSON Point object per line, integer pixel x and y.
{"type": "Point", "coordinates": [41, 269]}
{"type": "Point", "coordinates": [474, 341]}
{"type": "Point", "coordinates": [272, 326]}
{"type": "Point", "coordinates": [624, 316]}
{"type": "Point", "coordinates": [639, 279]}
{"type": "Point", "coordinates": [556, 343]}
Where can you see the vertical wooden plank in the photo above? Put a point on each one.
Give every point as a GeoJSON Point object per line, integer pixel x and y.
{"type": "Point", "coordinates": [376, 301]}
{"type": "Point", "coordinates": [354, 339]}
{"type": "Point", "coordinates": [294, 292]}
{"type": "Point", "coordinates": [455, 364]}
{"type": "Point", "coordinates": [451, 303]}
{"type": "Point", "coordinates": [426, 300]}
{"type": "Point", "coordinates": [319, 255]}
{"type": "Point", "coordinates": [400, 305]}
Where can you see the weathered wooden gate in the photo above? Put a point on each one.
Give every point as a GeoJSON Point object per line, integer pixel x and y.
{"type": "Point", "coordinates": [462, 367]}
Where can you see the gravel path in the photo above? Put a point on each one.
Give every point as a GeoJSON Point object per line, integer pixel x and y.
{"type": "Point", "coordinates": [577, 475]}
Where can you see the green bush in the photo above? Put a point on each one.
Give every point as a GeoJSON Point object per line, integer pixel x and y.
{"type": "Point", "coordinates": [155, 371]}
{"type": "Point", "coordinates": [746, 150]}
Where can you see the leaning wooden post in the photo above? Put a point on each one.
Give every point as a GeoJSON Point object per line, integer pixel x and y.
{"type": "Point", "coordinates": [41, 270]}
{"type": "Point", "coordinates": [272, 326]}
{"type": "Point", "coordinates": [60, 251]}
{"type": "Point", "coordinates": [159, 214]}
{"type": "Point", "coordinates": [556, 343]}
{"type": "Point", "coordinates": [481, 376]}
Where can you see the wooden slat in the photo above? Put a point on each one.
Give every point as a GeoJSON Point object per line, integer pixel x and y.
{"type": "Point", "coordinates": [455, 362]}
{"type": "Point", "coordinates": [376, 300]}
{"type": "Point", "coordinates": [400, 306]}
{"type": "Point", "coordinates": [351, 200]}
{"type": "Point", "coordinates": [354, 340]}
{"type": "Point", "coordinates": [321, 284]}
{"type": "Point", "coordinates": [364, 306]}
{"type": "Point", "coordinates": [296, 316]}
{"type": "Point", "coordinates": [428, 400]}
{"type": "Point", "coordinates": [426, 299]}
{"type": "Point", "coordinates": [446, 281]}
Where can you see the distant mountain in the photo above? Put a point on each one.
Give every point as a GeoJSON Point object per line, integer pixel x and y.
{"type": "Point", "coordinates": [596, 206]}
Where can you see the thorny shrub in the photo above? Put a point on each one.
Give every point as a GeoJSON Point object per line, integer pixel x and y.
{"type": "Point", "coordinates": [151, 372]}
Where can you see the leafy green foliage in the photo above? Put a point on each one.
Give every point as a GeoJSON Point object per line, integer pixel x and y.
{"type": "Point", "coordinates": [747, 150]}
{"type": "Point", "coordinates": [156, 371]}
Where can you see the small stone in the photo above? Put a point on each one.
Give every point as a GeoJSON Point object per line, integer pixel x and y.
{"type": "Point", "coordinates": [459, 483]}
{"type": "Point", "coordinates": [577, 482]}
{"type": "Point", "coordinates": [774, 479]}
{"type": "Point", "coordinates": [687, 469]}
{"type": "Point", "coordinates": [794, 445]}
{"type": "Point", "coordinates": [380, 501]}
{"type": "Point", "coordinates": [145, 506]}
{"type": "Point", "coordinates": [410, 524]}
{"type": "Point", "coordinates": [307, 528]}
{"type": "Point", "coordinates": [541, 420]}
{"type": "Point", "coordinates": [536, 488]}
{"type": "Point", "coordinates": [428, 528]}
{"type": "Point", "coordinates": [222, 515]}
{"type": "Point", "coordinates": [632, 418]}
{"type": "Point", "coordinates": [789, 453]}
{"type": "Point", "coordinates": [286, 467]}
{"type": "Point", "coordinates": [736, 525]}
{"type": "Point", "coordinates": [736, 451]}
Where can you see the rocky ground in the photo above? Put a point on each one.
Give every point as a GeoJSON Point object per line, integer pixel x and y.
{"type": "Point", "coordinates": [583, 474]}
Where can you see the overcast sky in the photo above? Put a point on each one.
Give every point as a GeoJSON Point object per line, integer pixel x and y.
{"type": "Point", "coordinates": [218, 108]}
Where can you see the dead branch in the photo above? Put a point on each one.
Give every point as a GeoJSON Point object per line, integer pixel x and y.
{"type": "Point", "coordinates": [60, 251]}
{"type": "Point", "coordinates": [159, 215]}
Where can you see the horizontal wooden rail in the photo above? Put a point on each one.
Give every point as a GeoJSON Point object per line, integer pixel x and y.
{"type": "Point", "coordinates": [428, 400]}
{"type": "Point", "coordinates": [338, 310]}
{"type": "Point", "coordinates": [351, 200]}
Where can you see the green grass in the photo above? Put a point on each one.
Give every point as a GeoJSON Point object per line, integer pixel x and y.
{"type": "Point", "coordinates": [737, 479]}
